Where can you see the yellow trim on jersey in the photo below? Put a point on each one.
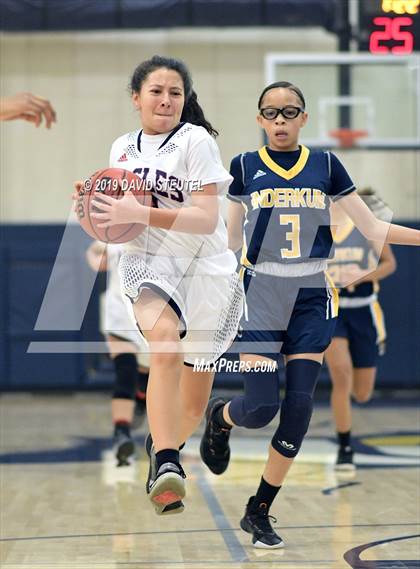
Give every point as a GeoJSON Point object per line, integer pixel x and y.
{"type": "Point", "coordinates": [378, 321]}
{"type": "Point", "coordinates": [334, 298]}
{"type": "Point", "coordinates": [341, 232]}
{"type": "Point", "coordinates": [241, 273]}
{"type": "Point", "coordinates": [244, 259]}
{"type": "Point", "coordinates": [286, 174]}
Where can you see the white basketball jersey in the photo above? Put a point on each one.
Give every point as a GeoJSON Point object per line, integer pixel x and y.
{"type": "Point", "coordinates": [113, 255]}
{"type": "Point", "coordinates": [173, 166]}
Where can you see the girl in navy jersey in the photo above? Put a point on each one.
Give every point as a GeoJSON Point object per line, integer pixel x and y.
{"type": "Point", "coordinates": [178, 274]}
{"type": "Point", "coordinates": [360, 334]}
{"type": "Point", "coordinates": [279, 213]}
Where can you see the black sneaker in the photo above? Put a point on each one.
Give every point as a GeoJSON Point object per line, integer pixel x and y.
{"type": "Point", "coordinates": [214, 446]}
{"type": "Point", "coordinates": [139, 410]}
{"type": "Point", "coordinates": [344, 462]}
{"type": "Point", "coordinates": [257, 522]}
{"type": "Point", "coordinates": [176, 507]}
{"type": "Point", "coordinates": [123, 448]}
{"type": "Point", "coordinates": [148, 445]}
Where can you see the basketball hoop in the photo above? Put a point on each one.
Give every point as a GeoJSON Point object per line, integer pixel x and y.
{"type": "Point", "coordinates": [347, 137]}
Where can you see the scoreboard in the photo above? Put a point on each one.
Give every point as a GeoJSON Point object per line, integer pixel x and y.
{"type": "Point", "coordinates": [389, 26]}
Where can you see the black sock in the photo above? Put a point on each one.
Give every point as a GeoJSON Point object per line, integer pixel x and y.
{"type": "Point", "coordinates": [219, 420]}
{"type": "Point", "coordinates": [344, 439]}
{"type": "Point", "coordinates": [122, 427]}
{"type": "Point", "coordinates": [167, 455]}
{"type": "Point", "coordinates": [265, 495]}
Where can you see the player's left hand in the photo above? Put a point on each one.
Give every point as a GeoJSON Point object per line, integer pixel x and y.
{"type": "Point", "coordinates": [28, 107]}
{"type": "Point", "coordinates": [116, 211]}
{"type": "Point", "coordinates": [351, 276]}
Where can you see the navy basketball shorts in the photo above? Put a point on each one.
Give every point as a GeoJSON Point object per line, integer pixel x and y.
{"type": "Point", "coordinates": [287, 315]}
{"type": "Point", "coordinates": [364, 328]}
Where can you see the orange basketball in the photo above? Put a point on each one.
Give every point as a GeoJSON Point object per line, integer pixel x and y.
{"type": "Point", "coordinates": [113, 182]}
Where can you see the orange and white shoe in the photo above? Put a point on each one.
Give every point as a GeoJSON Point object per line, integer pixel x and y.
{"type": "Point", "coordinates": [167, 489]}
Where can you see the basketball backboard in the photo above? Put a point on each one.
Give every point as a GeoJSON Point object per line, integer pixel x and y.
{"type": "Point", "coordinates": [377, 94]}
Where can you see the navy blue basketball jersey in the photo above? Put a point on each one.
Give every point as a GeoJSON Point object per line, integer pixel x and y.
{"type": "Point", "coordinates": [286, 196]}
{"type": "Point", "coordinates": [352, 248]}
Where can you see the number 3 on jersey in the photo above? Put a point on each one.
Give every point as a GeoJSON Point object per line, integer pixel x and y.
{"type": "Point", "coordinates": [293, 251]}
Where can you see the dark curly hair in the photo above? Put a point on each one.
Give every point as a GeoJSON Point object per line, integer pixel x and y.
{"type": "Point", "coordinates": [192, 112]}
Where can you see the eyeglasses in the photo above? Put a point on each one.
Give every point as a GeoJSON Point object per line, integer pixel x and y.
{"type": "Point", "coordinates": [288, 112]}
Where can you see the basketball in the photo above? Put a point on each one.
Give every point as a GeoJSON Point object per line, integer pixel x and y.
{"type": "Point", "coordinates": [113, 182]}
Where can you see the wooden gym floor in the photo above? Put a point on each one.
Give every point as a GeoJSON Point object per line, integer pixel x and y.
{"type": "Point", "coordinates": [65, 504]}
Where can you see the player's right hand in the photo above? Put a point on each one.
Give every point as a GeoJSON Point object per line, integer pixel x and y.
{"type": "Point", "coordinates": [78, 185]}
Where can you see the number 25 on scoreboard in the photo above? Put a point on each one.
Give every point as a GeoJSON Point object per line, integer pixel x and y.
{"type": "Point", "coordinates": [392, 32]}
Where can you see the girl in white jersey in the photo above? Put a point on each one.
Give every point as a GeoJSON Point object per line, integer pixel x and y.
{"type": "Point", "coordinates": [127, 350]}
{"type": "Point", "coordinates": [179, 273]}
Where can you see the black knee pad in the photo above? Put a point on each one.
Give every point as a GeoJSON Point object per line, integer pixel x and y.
{"type": "Point", "coordinates": [126, 377]}
{"type": "Point", "coordinates": [296, 410]}
{"type": "Point", "coordinates": [260, 416]}
{"type": "Point", "coordinates": [295, 416]}
{"type": "Point", "coordinates": [142, 379]}
{"type": "Point", "coordinates": [260, 402]}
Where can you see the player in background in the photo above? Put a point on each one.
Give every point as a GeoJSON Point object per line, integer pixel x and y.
{"type": "Point", "coordinates": [128, 406]}
{"type": "Point", "coordinates": [279, 214]}
{"type": "Point", "coordinates": [28, 107]}
{"type": "Point", "coordinates": [359, 337]}
{"type": "Point", "coordinates": [179, 273]}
